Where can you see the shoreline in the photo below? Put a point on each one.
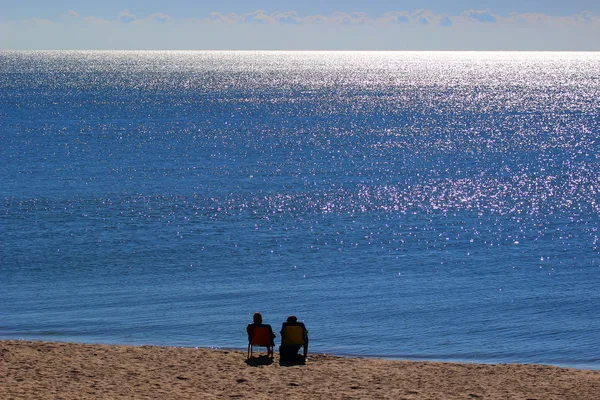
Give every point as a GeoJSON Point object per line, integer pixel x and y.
{"type": "Point", "coordinates": [413, 358]}
{"type": "Point", "coordinates": [51, 370]}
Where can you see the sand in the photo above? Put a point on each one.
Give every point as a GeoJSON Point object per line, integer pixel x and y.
{"type": "Point", "coordinates": [47, 370]}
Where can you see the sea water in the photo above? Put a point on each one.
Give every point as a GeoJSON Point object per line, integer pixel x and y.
{"type": "Point", "coordinates": [437, 206]}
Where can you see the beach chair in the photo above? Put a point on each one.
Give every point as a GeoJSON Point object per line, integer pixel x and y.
{"type": "Point", "coordinates": [293, 337]}
{"type": "Point", "coordinates": [261, 336]}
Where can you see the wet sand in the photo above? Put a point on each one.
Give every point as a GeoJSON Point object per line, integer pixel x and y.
{"type": "Point", "coordinates": [47, 370]}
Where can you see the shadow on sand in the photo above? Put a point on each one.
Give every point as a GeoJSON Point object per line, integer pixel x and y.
{"type": "Point", "coordinates": [291, 361]}
{"type": "Point", "coordinates": [259, 361]}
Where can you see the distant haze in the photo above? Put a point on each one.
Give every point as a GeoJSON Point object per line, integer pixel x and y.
{"type": "Point", "coordinates": [287, 25]}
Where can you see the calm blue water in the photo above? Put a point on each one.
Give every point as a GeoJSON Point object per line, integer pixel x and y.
{"type": "Point", "coordinates": [411, 205]}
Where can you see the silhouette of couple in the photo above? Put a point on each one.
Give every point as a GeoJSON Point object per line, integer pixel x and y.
{"type": "Point", "coordinates": [294, 335]}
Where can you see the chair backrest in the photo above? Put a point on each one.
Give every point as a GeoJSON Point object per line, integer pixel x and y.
{"type": "Point", "coordinates": [292, 334]}
{"type": "Point", "coordinates": [261, 336]}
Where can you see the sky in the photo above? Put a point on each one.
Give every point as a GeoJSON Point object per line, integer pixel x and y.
{"type": "Point", "coordinates": [550, 25]}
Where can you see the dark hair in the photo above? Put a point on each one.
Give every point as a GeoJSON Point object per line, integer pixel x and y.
{"type": "Point", "coordinates": [292, 318]}
{"type": "Point", "coordinates": [257, 318]}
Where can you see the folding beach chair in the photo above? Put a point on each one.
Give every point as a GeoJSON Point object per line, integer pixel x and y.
{"type": "Point", "coordinates": [261, 336]}
{"type": "Point", "coordinates": [293, 336]}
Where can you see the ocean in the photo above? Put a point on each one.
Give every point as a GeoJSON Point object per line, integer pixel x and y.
{"type": "Point", "coordinates": [413, 205]}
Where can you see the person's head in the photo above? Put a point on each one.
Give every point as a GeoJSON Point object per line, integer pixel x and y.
{"type": "Point", "coordinates": [292, 319]}
{"type": "Point", "coordinates": [257, 318]}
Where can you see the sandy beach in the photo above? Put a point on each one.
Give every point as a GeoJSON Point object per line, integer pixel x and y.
{"type": "Point", "coordinates": [47, 370]}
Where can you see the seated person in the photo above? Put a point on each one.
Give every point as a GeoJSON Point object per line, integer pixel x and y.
{"type": "Point", "coordinates": [257, 319]}
{"type": "Point", "coordinates": [293, 338]}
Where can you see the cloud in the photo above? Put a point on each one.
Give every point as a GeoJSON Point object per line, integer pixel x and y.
{"type": "Point", "coordinates": [584, 16]}
{"type": "Point", "coordinates": [315, 19]}
{"type": "Point", "coordinates": [160, 18]}
{"type": "Point", "coordinates": [218, 17]}
{"type": "Point", "coordinates": [262, 17]}
{"type": "Point", "coordinates": [529, 18]}
{"type": "Point", "coordinates": [580, 19]}
{"type": "Point", "coordinates": [259, 16]}
{"type": "Point", "coordinates": [394, 17]}
{"type": "Point", "coordinates": [349, 19]}
{"type": "Point", "coordinates": [424, 17]}
{"type": "Point", "coordinates": [288, 17]}
{"type": "Point", "coordinates": [126, 17]}
{"type": "Point", "coordinates": [395, 30]}
{"type": "Point", "coordinates": [445, 21]}
{"type": "Point", "coordinates": [484, 16]}
{"type": "Point", "coordinates": [421, 17]}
